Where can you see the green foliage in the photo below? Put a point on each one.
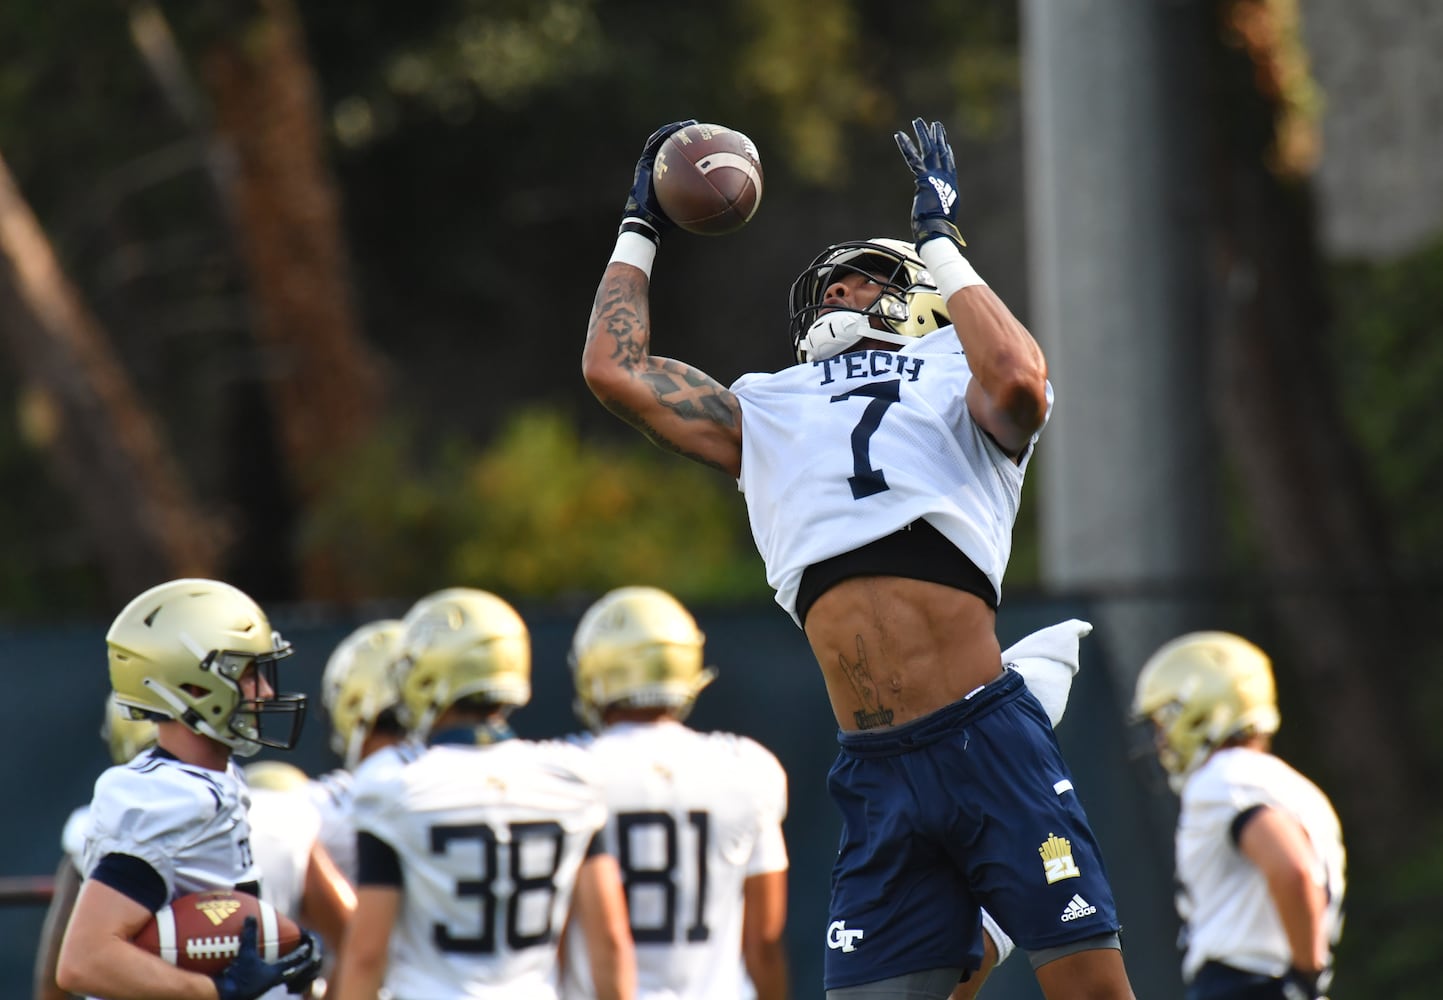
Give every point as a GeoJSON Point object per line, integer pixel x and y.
{"type": "Point", "coordinates": [537, 514]}
{"type": "Point", "coordinates": [1390, 365]}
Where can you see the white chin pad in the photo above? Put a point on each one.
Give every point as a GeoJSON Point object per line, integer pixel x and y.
{"type": "Point", "coordinates": [834, 332]}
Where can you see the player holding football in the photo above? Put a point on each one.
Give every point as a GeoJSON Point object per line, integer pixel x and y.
{"type": "Point", "coordinates": [199, 658]}
{"type": "Point", "coordinates": [1259, 849]}
{"type": "Point", "coordinates": [882, 476]}
{"type": "Point", "coordinates": [124, 737]}
{"type": "Point", "coordinates": [695, 818]}
{"type": "Point", "coordinates": [471, 855]}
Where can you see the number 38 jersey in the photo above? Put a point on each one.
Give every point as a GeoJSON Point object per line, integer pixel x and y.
{"type": "Point", "coordinates": [692, 816]}
{"type": "Point", "coordinates": [489, 840]}
{"type": "Point", "coordinates": [887, 440]}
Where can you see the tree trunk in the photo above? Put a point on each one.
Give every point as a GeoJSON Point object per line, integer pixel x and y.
{"type": "Point", "coordinates": [1321, 529]}
{"type": "Point", "coordinates": [326, 390]}
{"type": "Point", "coordinates": [98, 435]}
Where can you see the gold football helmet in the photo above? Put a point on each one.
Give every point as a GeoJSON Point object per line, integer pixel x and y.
{"type": "Point", "coordinates": [459, 643]}
{"type": "Point", "coordinates": [275, 776]}
{"type": "Point", "coordinates": [359, 685]}
{"type": "Point", "coordinates": [637, 647]}
{"type": "Point", "coordinates": [1200, 690]}
{"type": "Point", "coordinates": [179, 651]}
{"type": "Point", "coordinates": [126, 737]}
{"type": "Point", "coordinates": [909, 306]}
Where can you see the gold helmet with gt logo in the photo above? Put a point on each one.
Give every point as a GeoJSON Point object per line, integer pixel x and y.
{"type": "Point", "coordinates": [637, 647]}
{"type": "Point", "coordinates": [125, 736]}
{"type": "Point", "coordinates": [461, 643]}
{"type": "Point", "coordinates": [179, 651]}
{"type": "Point", "coordinates": [358, 686]}
{"type": "Point", "coordinates": [1201, 690]}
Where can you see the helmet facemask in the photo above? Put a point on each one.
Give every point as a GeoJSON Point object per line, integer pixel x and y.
{"type": "Point", "coordinates": [179, 651]}
{"type": "Point", "coordinates": [908, 306]}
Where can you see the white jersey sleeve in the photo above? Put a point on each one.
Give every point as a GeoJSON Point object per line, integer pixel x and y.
{"type": "Point", "coordinates": [1223, 898]}
{"type": "Point", "coordinates": [490, 840]}
{"type": "Point", "coordinates": [889, 440]}
{"type": "Point", "coordinates": [692, 816]}
{"type": "Point", "coordinates": [188, 823]}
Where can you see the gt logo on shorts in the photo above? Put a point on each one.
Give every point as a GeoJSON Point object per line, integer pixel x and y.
{"type": "Point", "coordinates": [839, 937]}
{"type": "Point", "coordinates": [1057, 860]}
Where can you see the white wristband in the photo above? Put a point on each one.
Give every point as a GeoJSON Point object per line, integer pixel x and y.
{"type": "Point", "coordinates": [636, 250]}
{"type": "Point", "coordinates": [949, 268]}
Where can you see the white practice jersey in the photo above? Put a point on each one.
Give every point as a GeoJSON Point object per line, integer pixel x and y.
{"type": "Point", "coordinates": [692, 816]}
{"type": "Point", "coordinates": [888, 440]}
{"type": "Point", "coordinates": [284, 827]}
{"type": "Point", "coordinates": [333, 796]}
{"type": "Point", "coordinates": [490, 839]}
{"type": "Point", "coordinates": [188, 823]}
{"type": "Point", "coordinates": [1223, 898]}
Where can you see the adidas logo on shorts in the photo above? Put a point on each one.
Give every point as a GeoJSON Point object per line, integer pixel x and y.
{"type": "Point", "coordinates": [1077, 908]}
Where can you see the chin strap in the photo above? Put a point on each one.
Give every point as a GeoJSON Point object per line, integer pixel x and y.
{"type": "Point", "coordinates": [834, 332]}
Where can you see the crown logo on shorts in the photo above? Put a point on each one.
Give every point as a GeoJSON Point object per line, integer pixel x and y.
{"type": "Point", "coordinates": [1057, 860]}
{"type": "Point", "coordinates": [218, 909]}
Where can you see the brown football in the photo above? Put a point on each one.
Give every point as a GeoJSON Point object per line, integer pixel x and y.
{"type": "Point", "coordinates": [201, 931]}
{"type": "Point", "coordinates": [708, 179]}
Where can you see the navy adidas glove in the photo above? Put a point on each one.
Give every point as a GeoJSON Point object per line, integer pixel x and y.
{"type": "Point", "coordinates": [934, 207]}
{"type": "Point", "coordinates": [249, 975]}
{"type": "Point", "coordinates": [642, 214]}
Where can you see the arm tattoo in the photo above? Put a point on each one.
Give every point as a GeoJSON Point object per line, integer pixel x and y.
{"type": "Point", "coordinates": [620, 314]}
{"type": "Point", "coordinates": [873, 713]}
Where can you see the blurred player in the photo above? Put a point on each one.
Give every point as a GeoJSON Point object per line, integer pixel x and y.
{"type": "Point", "coordinates": [1259, 849]}
{"type": "Point", "coordinates": [359, 693]}
{"type": "Point", "coordinates": [471, 856]}
{"type": "Point", "coordinates": [124, 737]}
{"type": "Point", "coordinates": [298, 876]}
{"type": "Point", "coordinates": [882, 476]}
{"type": "Point", "coordinates": [199, 658]}
{"type": "Point", "coordinates": [695, 818]}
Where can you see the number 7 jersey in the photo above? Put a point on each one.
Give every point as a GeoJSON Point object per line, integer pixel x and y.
{"type": "Point", "coordinates": [489, 840]}
{"type": "Point", "coordinates": [841, 452]}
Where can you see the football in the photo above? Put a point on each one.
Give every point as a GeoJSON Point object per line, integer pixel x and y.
{"type": "Point", "coordinates": [201, 931]}
{"type": "Point", "coordinates": [708, 179]}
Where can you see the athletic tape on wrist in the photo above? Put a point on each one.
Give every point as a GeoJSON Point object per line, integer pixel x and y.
{"type": "Point", "coordinates": [636, 250]}
{"type": "Point", "coordinates": [949, 268]}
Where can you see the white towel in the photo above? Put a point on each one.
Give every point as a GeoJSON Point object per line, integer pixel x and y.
{"type": "Point", "coordinates": [1048, 660]}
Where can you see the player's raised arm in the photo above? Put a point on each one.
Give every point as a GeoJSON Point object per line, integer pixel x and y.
{"type": "Point", "coordinates": [677, 406]}
{"type": "Point", "coordinates": [1008, 392]}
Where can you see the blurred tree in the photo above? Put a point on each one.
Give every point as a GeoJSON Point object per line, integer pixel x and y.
{"type": "Point", "coordinates": [265, 105]}
{"type": "Point", "coordinates": [82, 411]}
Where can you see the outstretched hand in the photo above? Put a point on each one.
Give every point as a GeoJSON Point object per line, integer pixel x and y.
{"type": "Point", "coordinates": [642, 213]}
{"type": "Point", "coordinates": [934, 206]}
{"type": "Point", "coordinates": [249, 975]}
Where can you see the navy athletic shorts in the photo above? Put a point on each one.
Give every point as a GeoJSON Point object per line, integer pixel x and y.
{"type": "Point", "coordinates": [968, 806]}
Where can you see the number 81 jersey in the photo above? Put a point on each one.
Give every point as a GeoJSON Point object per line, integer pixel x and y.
{"type": "Point", "coordinates": [841, 452]}
{"type": "Point", "coordinates": [692, 816]}
{"type": "Point", "coordinates": [489, 840]}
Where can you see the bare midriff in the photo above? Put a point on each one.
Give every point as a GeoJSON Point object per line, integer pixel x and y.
{"type": "Point", "coordinates": [893, 649]}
